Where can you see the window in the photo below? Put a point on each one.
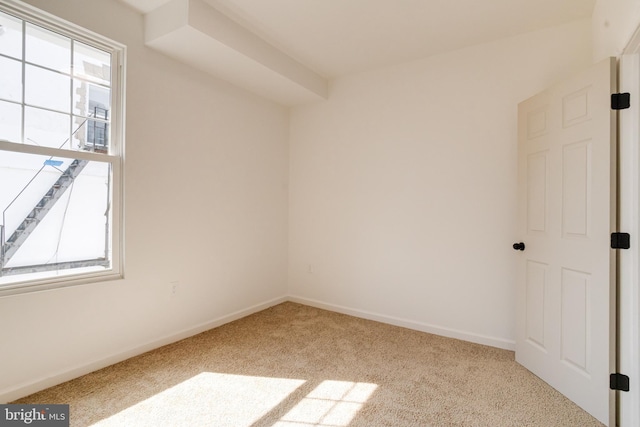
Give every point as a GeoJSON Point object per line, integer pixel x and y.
{"type": "Point", "coordinates": [61, 146]}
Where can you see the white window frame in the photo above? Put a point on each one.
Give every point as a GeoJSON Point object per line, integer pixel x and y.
{"type": "Point", "coordinates": [114, 158]}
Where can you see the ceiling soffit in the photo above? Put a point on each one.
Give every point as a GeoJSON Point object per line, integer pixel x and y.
{"type": "Point", "coordinates": [198, 34]}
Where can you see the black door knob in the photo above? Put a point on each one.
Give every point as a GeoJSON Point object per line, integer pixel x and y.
{"type": "Point", "coordinates": [518, 246]}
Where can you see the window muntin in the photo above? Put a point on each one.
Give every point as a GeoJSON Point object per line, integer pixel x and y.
{"type": "Point", "coordinates": [60, 138]}
{"type": "Point", "coordinates": [54, 74]}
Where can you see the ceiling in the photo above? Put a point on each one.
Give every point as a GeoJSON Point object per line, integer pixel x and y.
{"type": "Point", "coordinates": [337, 37]}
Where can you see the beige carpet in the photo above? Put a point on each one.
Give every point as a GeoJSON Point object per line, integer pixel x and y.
{"type": "Point", "coordinates": [293, 365]}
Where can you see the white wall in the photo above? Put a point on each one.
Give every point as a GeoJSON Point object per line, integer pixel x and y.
{"type": "Point", "coordinates": [403, 186]}
{"type": "Point", "coordinates": [614, 22]}
{"type": "Point", "coordinates": [206, 205]}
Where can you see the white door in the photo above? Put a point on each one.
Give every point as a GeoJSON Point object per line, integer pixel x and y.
{"type": "Point", "coordinates": [566, 212]}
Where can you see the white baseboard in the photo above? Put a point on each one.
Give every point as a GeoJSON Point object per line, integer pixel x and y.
{"type": "Point", "coordinates": [25, 389]}
{"type": "Point", "coordinates": [16, 392]}
{"type": "Point", "coordinates": [410, 324]}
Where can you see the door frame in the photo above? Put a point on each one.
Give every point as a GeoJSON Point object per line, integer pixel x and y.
{"type": "Point", "coordinates": [629, 221]}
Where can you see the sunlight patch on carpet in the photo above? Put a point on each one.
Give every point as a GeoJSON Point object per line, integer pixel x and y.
{"type": "Point", "coordinates": [208, 399]}
{"type": "Point", "coordinates": [331, 404]}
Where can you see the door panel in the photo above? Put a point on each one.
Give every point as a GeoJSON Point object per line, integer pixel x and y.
{"type": "Point", "coordinates": [566, 282]}
{"type": "Point", "coordinates": [536, 282]}
{"type": "Point", "coordinates": [537, 192]}
{"type": "Point", "coordinates": [575, 319]}
{"type": "Point", "coordinates": [576, 191]}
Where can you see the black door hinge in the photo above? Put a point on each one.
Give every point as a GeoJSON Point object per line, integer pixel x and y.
{"type": "Point", "coordinates": [620, 241]}
{"type": "Point", "coordinates": [619, 382]}
{"type": "Point", "coordinates": [620, 101]}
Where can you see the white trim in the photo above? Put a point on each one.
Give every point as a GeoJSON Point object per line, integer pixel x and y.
{"type": "Point", "coordinates": [634, 44]}
{"type": "Point", "coordinates": [56, 152]}
{"type": "Point", "coordinates": [410, 324]}
{"type": "Point", "coordinates": [57, 282]}
{"type": "Point", "coordinates": [117, 51]}
{"type": "Point", "coordinates": [38, 384]}
{"type": "Point", "coordinates": [40, 17]}
{"type": "Point", "coordinates": [25, 389]}
{"type": "Point", "coordinates": [629, 214]}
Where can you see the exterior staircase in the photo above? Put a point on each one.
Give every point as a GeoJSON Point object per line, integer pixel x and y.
{"type": "Point", "coordinates": [37, 214]}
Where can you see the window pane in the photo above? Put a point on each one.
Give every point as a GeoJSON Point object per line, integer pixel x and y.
{"type": "Point", "coordinates": [17, 170]}
{"type": "Point", "coordinates": [91, 100]}
{"type": "Point", "coordinates": [69, 229]}
{"type": "Point", "coordinates": [10, 119]}
{"type": "Point", "coordinates": [93, 135]}
{"type": "Point", "coordinates": [10, 36]}
{"type": "Point", "coordinates": [11, 81]}
{"type": "Point", "coordinates": [46, 128]}
{"type": "Point", "coordinates": [49, 49]}
{"type": "Point", "coordinates": [91, 63]}
{"type": "Point", "coordinates": [47, 89]}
